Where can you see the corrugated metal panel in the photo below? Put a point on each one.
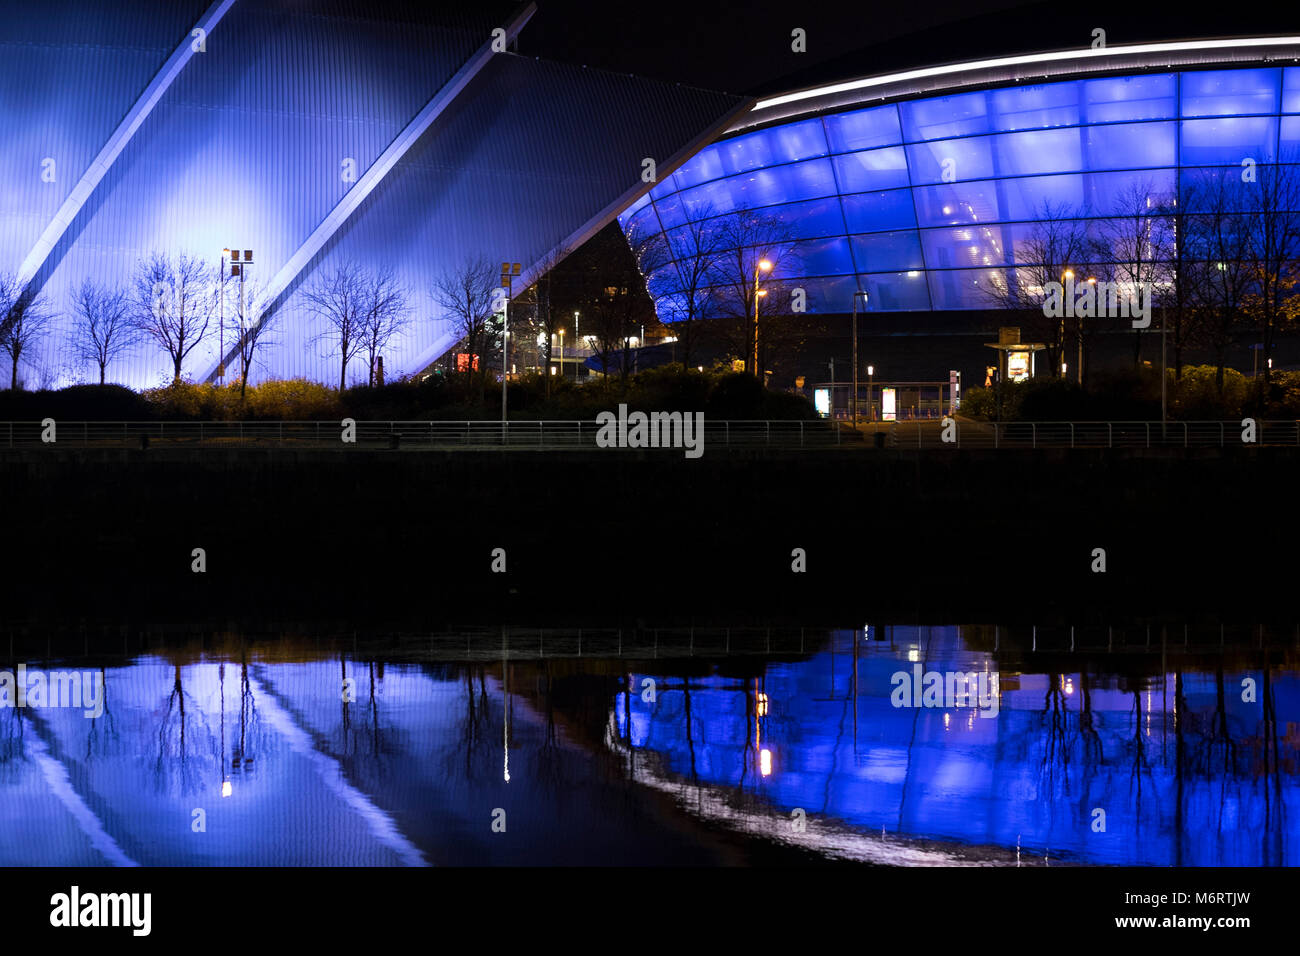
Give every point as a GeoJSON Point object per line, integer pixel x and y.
{"type": "Point", "coordinates": [245, 149]}
{"type": "Point", "coordinates": [531, 153]}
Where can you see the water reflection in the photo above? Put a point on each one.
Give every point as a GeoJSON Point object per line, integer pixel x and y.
{"type": "Point", "coordinates": [860, 746]}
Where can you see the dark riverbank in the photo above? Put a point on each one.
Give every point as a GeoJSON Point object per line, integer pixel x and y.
{"type": "Point", "coordinates": [405, 540]}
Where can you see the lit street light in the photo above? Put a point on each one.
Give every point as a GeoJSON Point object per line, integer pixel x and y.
{"type": "Point", "coordinates": [763, 266]}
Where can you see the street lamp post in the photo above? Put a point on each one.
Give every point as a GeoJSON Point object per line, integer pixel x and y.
{"type": "Point", "coordinates": [763, 265]}
{"type": "Point", "coordinates": [508, 272]}
{"type": "Point", "coordinates": [865, 297]}
{"type": "Point", "coordinates": [1079, 368]}
{"type": "Point", "coordinates": [221, 320]}
{"type": "Point", "coordinates": [1060, 348]}
{"type": "Point", "coordinates": [561, 352]}
{"type": "Point", "coordinates": [871, 391]}
{"type": "Point", "coordinates": [576, 341]}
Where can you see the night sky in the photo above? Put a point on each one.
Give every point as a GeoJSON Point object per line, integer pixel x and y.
{"type": "Point", "coordinates": [745, 48]}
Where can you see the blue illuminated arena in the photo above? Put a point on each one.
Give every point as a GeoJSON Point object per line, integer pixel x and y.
{"type": "Point", "coordinates": [922, 188]}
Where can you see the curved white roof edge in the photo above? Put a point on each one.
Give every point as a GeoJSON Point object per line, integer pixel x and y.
{"type": "Point", "coordinates": [1008, 69]}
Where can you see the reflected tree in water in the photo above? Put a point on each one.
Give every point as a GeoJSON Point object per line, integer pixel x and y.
{"type": "Point", "coordinates": [103, 739]}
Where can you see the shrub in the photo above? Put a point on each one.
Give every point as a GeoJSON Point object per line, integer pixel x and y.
{"type": "Point", "coordinates": [1196, 395]}
{"type": "Point", "coordinates": [295, 399]}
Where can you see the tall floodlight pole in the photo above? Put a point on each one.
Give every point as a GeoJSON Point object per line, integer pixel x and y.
{"type": "Point", "coordinates": [762, 265]}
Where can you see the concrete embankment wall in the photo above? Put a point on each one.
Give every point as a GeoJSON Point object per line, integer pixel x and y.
{"type": "Point", "coordinates": [378, 538]}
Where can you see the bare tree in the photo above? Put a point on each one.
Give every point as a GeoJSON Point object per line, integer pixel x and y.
{"type": "Point", "coordinates": [1176, 294]}
{"type": "Point", "coordinates": [175, 302]}
{"type": "Point", "coordinates": [25, 320]}
{"type": "Point", "coordinates": [251, 325]}
{"type": "Point", "coordinates": [103, 328]}
{"type": "Point", "coordinates": [687, 260]}
{"type": "Point", "coordinates": [384, 313]}
{"type": "Point", "coordinates": [547, 321]}
{"type": "Point", "coordinates": [1131, 245]}
{"type": "Point", "coordinates": [1273, 246]}
{"type": "Point", "coordinates": [463, 294]}
{"type": "Point", "coordinates": [747, 239]}
{"type": "Point", "coordinates": [338, 296]}
{"type": "Point", "coordinates": [1056, 245]}
{"type": "Point", "coordinates": [1220, 230]}
{"type": "Point", "coordinates": [10, 290]}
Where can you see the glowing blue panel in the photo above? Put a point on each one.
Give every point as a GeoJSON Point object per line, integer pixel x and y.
{"type": "Point", "coordinates": [1039, 151]}
{"type": "Point", "coordinates": [831, 294]}
{"type": "Point", "coordinates": [864, 129]}
{"type": "Point", "coordinates": [670, 307]}
{"type": "Point", "coordinates": [813, 219]}
{"type": "Point", "coordinates": [781, 144]}
{"type": "Point", "coordinates": [664, 187]}
{"type": "Point", "coordinates": [820, 257]}
{"type": "Point", "coordinates": [880, 211]}
{"type": "Point", "coordinates": [704, 166]}
{"type": "Point", "coordinates": [711, 199]}
{"type": "Point", "coordinates": [949, 159]}
{"type": "Point", "coordinates": [663, 281]}
{"type": "Point", "coordinates": [641, 224]}
{"type": "Point", "coordinates": [1230, 92]}
{"type": "Point", "coordinates": [896, 292]}
{"type": "Point", "coordinates": [1114, 193]}
{"type": "Point", "coordinates": [670, 210]}
{"type": "Point", "coordinates": [961, 203]}
{"type": "Point", "coordinates": [1131, 146]}
{"type": "Point", "coordinates": [1291, 90]}
{"type": "Point", "coordinates": [1036, 107]}
{"type": "Point", "coordinates": [807, 180]}
{"type": "Point", "coordinates": [963, 289]}
{"type": "Point", "coordinates": [872, 169]}
{"type": "Point", "coordinates": [1290, 139]}
{"type": "Point", "coordinates": [961, 115]}
{"type": "Point", "coordinates": [964, 247]}
{"type": "Point", "coordinates": [1229, 140]}
{"type": "Point", "coordinates": [1122, 98]}
{"type": "Point", "coordinates": [887, 251]}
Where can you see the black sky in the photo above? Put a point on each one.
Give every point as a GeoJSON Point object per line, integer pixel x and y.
{"type": "Point", "coordinates": [745, 48]}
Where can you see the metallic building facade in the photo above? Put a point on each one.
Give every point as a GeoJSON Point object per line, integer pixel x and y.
{"type": "Point", "coordinates": [312, 132]}
{"type": "Point", "coordinates": [926, 201]}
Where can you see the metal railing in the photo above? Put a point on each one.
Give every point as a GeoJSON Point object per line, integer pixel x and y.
{"type": "Point", "coordinates": [558, 435]}
{"type": "Point", "coordinates": [396, 434]}
{"type": "Point", "coordinates": [970, 434]}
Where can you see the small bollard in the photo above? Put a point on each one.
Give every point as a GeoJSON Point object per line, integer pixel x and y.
{"type": "Point", "coordinates": [144, 442]}
{"type": "Point", "coordinates": [395, 440]}
{"type": "Point", "coordinates": [879, 439]}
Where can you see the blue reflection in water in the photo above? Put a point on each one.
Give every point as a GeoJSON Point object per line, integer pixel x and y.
{"type": "Point", "coordinates": [1184, 770]}
{"type": "Point", "coordinates": [268, 759]}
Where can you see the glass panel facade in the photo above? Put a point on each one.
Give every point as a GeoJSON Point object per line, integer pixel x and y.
{"type": "Point", "coordinates": [927, 203]}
